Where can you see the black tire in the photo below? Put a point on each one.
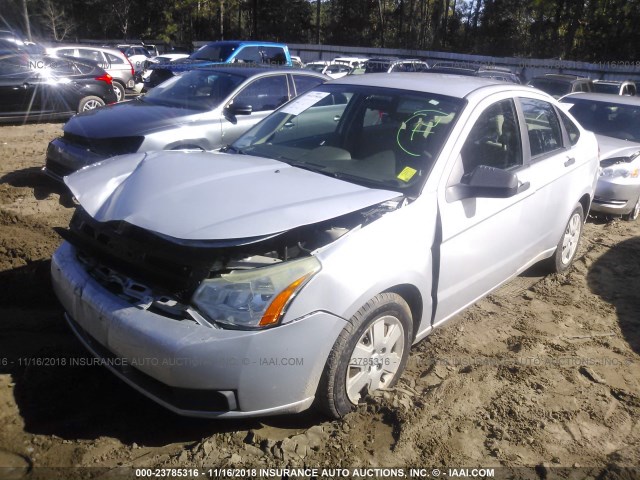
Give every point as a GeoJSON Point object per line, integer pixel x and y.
{"type": "Point", "coordinates": [387, 312]}
{"type": "Point", "coordinates": [119, 89]}
{"type": "Point", "coordinates": [90, 103]}
{"type": "Point", "coordinates": [567, 247]}
{"type": "Point", "coordinates": [633, 214]}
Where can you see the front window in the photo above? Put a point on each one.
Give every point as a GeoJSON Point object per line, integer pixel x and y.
{"type": "Point", "coordinates": [607, 118]}
{"type": "Point", "coordinates": [377, 137]}
{"type": "Point", "coordinates": [195, 90]}
{"type": "Point", "coordinates": [215, 53]}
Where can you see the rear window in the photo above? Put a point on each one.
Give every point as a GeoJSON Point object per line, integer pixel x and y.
{"type": "Point", "coordinates": [215, 52]}
{"type": "Point", "coordinates": [305, 82]}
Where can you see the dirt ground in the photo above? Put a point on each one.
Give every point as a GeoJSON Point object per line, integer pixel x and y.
{"type": "Point", "coordinates": [544, 373]}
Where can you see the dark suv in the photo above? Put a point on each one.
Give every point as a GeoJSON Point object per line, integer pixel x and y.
{"type": "Point", "coordinates": [559, 85]}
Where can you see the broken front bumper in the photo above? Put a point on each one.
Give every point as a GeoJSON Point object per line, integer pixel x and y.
{"type": "Point", "coordinates": [193, 369]}
{"type": "Point", "coordinates": [616, 196]}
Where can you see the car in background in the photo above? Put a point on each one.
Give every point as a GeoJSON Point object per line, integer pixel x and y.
{"type": "Point", "coordinates": [557, 85]}
{"type": "Point", "coordinates": [37, 88]}
{"type": "Point", "coordinates": [143, 77]}
{"type": "Point", "coordinates": [333, 70]}
{"type": "Point", "coordinates": [351, 62]}
{"type": "Point", "coordinates": [298, 266]}
{"type": "Point", "coordinates": [202, 109]}
{"type": "Point", "coordinates": [137, 55]}
{"type": "Point", "coordinates": [222, 52]}
{"type": "Point", "coordinates": [497, 73]}
{"type": "Point", "coordinates": [111, 59]}
{"type": "Point", "coordinates": [615, 87]}
{"type": "Point", "coordinates": [616, 123]}
{"type": "Point", "coordinates": [296, 61]}
{"type": "Point", "coordinates": [388, 65]}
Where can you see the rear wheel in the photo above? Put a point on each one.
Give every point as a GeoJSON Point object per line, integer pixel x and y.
{"type": "Point", "coordinates": [119, 89]}
{"type": "Point", "coordinates": [89, 103]}
{"type": "Point", "coordinates": [568, 245]}
{"type": "Point", "coordinates": [369, 354]}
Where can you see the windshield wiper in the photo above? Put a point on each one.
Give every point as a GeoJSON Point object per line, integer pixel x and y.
{"type": "Point", "coordinates": [231, 149]}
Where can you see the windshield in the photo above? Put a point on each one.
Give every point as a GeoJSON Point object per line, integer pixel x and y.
{"type": "Point", "coordinates": [194, 90]}
{"type": "Point", "coordinates": [215, 52]}
{"type": "Point", "coordinates": [552, 87]}
{"type": "Point", "coordinates": [377, 137]}
{"type": "Point", "coordinates": [607, 118]}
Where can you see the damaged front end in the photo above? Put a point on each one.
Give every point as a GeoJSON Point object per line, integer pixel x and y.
{"type": "Point", "coordinates": [244, 283]}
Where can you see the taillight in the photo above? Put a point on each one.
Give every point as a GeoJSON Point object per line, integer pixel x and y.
{"type": "Point", "coordinates": [133, 72]}
{"type": "Point", "coordinates": [105, 78]}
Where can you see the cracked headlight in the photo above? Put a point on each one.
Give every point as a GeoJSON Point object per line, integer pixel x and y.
{"type": "Point", "coordinates": [254, 298]}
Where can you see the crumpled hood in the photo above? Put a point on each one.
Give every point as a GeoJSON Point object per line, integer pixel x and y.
{"type": "Point", "coordinates": [126, 119]}
{"type": "Point", "coordinates": [214, 196]}
{"type": "Point", "coordinates": [613, 147]}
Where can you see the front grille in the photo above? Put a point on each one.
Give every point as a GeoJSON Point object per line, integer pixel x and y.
{"type": "Point", "coordinates": [165, 266]}
{"type": "Point", "coordinates": [107, 147]}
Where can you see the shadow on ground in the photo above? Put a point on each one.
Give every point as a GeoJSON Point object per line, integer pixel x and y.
{"type": "Point", "coordinates": [615, 277]}
{"type": "Point", "coordinates": [42, 185]}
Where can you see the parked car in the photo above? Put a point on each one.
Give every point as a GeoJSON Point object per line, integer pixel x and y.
{"type": "Point", "coordinates": [497, 73]}
{"type": "Point", "coordinates": [558, 85]}
{"type": "Point", "coordinates": [137, 55]}
{"type": "Point", "coordinates": [216, 53]}
{"type": "Point", "coordinates": [615, 87]}
{"type": "Point", "coordinates": [203, 109]}
{"type": "Point", "coordinates": [112, 60]}
{"type": "Point", "coordinates": [333, 70]}
{"type": "Point", "coordinates": [36, 88]}
{"type": "Point", "coordinates": [299, 265]}
{"type": "Point", "coordinates": [388, 65]}
{"type": "Point", "coordinates": [143, 76]}
{"type": "Point", "coordinates": [351, 62]}
{"type": "Point", "coordinates": [616, 123]}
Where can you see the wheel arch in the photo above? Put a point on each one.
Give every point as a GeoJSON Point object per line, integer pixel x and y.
{"type": "Point", "coordinates": [412, 296]}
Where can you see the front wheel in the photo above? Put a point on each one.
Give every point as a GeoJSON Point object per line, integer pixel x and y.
{"type": "Point", "coordinates": [369, 354]}
{"type": "Point", "coordinates": [89, 103]}
{"type": "Point", "coordinates": [568, 245]}
{"type": "Point", "coordinates": [633, 214]}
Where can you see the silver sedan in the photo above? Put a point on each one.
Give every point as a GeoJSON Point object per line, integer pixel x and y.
{"type": "Point", "coordinates": [298, 266]}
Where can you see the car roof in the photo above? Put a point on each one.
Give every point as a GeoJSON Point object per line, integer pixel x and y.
{"type": "Point", "coordinates": [251, 71]}
{"type": "Point", "coordinates": [245, 42]}
{"type": "Point", "coordinates": [560, 76]}
{"type": "Point", "coordinates": [603, 97]}
{"type": "Point", "coordinates": [82, 45]}
{"type": "Point", "coordinates": [612, 82]}
{"type": "Point", "coordinates": [442, 84]}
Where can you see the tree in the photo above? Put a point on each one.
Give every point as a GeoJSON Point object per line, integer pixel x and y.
{"type": "Point", "coordinates": [55, 20]}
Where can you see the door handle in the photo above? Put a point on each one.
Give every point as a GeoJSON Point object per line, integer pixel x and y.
{"type": "Point", "coordinates": [570, 161]}
{"type": "Point", "coordinates": [336, 118]}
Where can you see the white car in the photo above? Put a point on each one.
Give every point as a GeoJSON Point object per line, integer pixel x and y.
{"type": "Point", "coordinates": [164, 58]}
{"type": "Point", "coordinates": [298, 265]}
{"type": "Point", "coordinates": [332, 70]}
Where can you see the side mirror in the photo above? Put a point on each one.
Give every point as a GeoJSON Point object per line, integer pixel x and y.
{"type": "Point", "coordinates": [486, 182]}
{"type": "Point", "coordinates": [239, 109]}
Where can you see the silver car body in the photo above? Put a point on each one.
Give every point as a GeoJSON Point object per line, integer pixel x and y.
{"type": "Point", "coordinates": [440, 253]}
{"type": "Point", "coordinates": [616, 121]}
{"type": "Point", "coordinates": [144, 126]}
